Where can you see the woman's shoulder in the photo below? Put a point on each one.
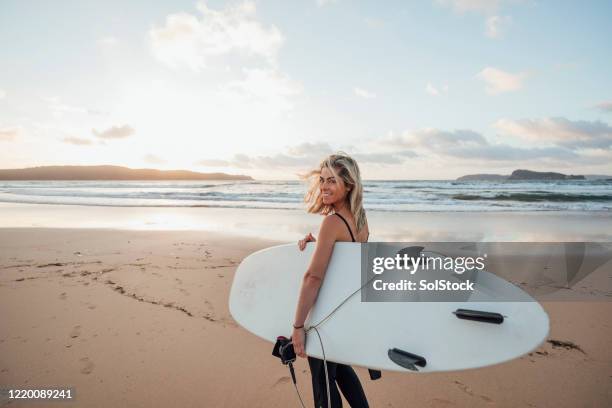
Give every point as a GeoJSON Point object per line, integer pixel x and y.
{"type": "Point", "coordinates": [330, 225]}
{"type": "Point", "coordinates": [330, 220]}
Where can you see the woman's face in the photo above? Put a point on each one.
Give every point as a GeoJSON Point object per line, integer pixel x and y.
{"type": "Point", "coordinates": [333, 191]}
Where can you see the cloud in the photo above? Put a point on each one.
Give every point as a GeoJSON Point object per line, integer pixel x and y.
{"type": "Point", "coordinates": [77, 141]}
{"type": "Point", "coordinates": [305, 155]}
{"type": "Point", "coordinates": [499, 81]}
{"type": "Point", "coordinates": [605, 106]}
{"type": "Point", "coordinates": [433, 139]}
{"type": "Point", "coordinates": [264, 89]}
{"type": "Point", "coordinates": [397, 157]}
{"type": "Point", "coordinates": [241, 48]}
{"type": "Point", "coordinates": [480, 6]}
{"type": "Point", "coordinates": [114, 132]}
{"type": "Point", "coordinates": [504, 152]}
{"type": "Point", "coordinates": [362, 93]}
{"type": "Point", "coordinates": [462, 144]}
{"type": "Point", "coordinates": [432, 90]}
{"type": "Point", "coordinates": [559, 131]}
{"type": "Point", "coordinates": [231, 37]}
{"type": "Point", "coordinates": [461, 147]}
{"type": "Point", "coordinates": [468, 145]}
{"type": "Point", "coordinates": [58, 108]}
{"type": "Point", "coordinates": [186, 40]}
{"type": "Point", "coordinates": [153, 159]}
{"type": "Point", "coordinates": [8, 134]}
{"type": "Point", "coordinates": [2, 93]}
{"type": "Point", "coordinates": [309, 149]}
{"type": "Point", "coordinates": [496, 25]}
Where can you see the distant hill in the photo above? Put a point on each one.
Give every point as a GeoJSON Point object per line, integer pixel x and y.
{"type": "Point", "coordinates": [529, 175]}
{"type": "Point", "coordinates": [539, 175]}
{"type": "Point", "coordinates": [483, 177]}
{"type": "Point", "coordinates": [109, 173]}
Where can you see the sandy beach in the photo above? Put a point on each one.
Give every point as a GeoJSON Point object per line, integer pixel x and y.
{"type": "Point", "coordinates": [140, 319]}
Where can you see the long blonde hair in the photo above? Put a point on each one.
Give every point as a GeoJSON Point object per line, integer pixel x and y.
{"type": "Point", "coordinates": [345, 167]}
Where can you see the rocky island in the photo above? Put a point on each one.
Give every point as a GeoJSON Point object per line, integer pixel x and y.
{"type": "Point", "coordinates": [521, 175]}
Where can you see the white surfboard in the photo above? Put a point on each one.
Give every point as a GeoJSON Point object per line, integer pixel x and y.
{"type": "Point", "coordinates": [265, 291]}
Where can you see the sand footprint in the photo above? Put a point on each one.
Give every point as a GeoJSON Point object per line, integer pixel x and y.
{"type": "Point", "coordinates": [471, 393]}
{"type": "Point", "coordinates": [439, 402]}
{"type": "Point", "coordinates": [87, 365]}
{"type": "Point", "coordinates": [280, 381]}
{"type": "Point", "coordinates": [75, 332]}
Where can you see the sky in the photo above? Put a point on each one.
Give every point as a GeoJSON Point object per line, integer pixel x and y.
{"type": "Point", "coordinates": [429, 89]}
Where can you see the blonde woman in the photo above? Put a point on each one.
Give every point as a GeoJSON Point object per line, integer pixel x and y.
{"type": "Point", "coordinates": [337, 193]}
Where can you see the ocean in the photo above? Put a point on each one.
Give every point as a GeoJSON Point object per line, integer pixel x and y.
{"type": "Point", "coordinates": [395, 196]}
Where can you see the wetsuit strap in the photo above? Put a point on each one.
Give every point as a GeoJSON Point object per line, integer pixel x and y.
{"type": "Point", "coordinates": [347, 226]}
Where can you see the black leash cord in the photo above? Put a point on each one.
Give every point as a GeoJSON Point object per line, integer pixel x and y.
{"type": "Point", "coordinates": [295, 384]}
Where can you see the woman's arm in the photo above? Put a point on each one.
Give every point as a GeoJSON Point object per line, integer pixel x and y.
{"type": "Point", "coordinates": [313, 278]}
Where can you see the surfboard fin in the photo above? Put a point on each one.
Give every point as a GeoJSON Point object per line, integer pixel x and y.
{"type": "Point", "coordinates": [479, 316]}
{"type": "Point", "coordinates": [405, 359]}
{"type": "Point", "coordinates": [374, 374]}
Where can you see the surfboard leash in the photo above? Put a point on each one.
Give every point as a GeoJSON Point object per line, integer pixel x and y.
{"type": "Point", "coordinates": [314, 327]}
{"type": "Point", "coordinates": [283, 349]}
{"type": "Point", "coordinates": [325, 366]}
{"type": "Point", "coordinates": [298, 391]}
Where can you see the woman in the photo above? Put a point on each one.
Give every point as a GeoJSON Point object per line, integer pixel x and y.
{"type": "Point", "coordinates": [337, 193]}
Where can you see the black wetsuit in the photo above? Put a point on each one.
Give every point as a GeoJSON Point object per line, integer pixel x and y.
{"type": "Point", "coordinates": [342, 374]}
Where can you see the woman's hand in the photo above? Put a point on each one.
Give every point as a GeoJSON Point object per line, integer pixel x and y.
{"type": "Point", "coordinates": [308, 238]}
{"type": "Point", "coordinates": [298, 338]}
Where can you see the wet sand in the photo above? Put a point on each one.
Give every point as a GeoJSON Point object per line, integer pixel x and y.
{"type": "Point", "coordinates": [290, 225]}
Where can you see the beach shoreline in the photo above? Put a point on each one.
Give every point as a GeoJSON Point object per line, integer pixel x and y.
{"type": "Point", "coordinates": [290, 224]}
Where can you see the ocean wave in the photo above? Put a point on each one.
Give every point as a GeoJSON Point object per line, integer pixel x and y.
{"type": "Point", "coordinates": [107, 185]}
{"type": "Point", "coordinates": [536, 197]}
{"type": "Point", "coordinates": [407, 195]}
{"type": "Point", "coordinates": [157, 195]}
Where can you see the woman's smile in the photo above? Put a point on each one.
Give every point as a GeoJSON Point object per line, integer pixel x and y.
{"type": "Point", "coordinates": [331, 190]}
{"type": "Point", "coordinates": [327, 195]}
